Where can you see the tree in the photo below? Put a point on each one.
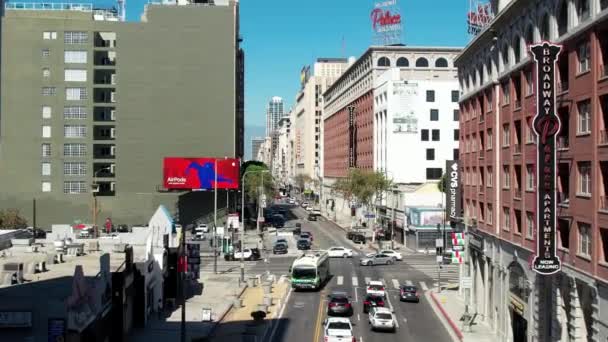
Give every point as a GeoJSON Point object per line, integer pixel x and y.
{"type": "Point", "coordinates": [362, 185]}
{"type": "Point", "coordinates": [253, 181]}
{"type": "Point", "coordinates": [11, 219]}
{"type": "Point", "coordinates": [443, 182]}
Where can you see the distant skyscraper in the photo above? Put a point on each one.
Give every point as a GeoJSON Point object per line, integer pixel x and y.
{"type": "Point", "coordinates": [274, 113]}
{"type": "Point", "coordinates": [256, 143]}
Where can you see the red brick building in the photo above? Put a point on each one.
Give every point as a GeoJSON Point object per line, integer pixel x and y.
{"type": "Point", "coordinates": [498, 165]}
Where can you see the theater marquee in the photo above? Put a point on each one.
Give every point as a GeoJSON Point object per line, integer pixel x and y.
{"type": "Point", "coordinates": [546, 126]}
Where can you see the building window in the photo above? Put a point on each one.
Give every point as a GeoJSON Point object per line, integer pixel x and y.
{"type": "Point", "coordinates": [74, 169]}
{"type": "Point", "coordinates": [46, 168]}
{"type": "Point", "coordinates": [75, 37]}
{"type": "Point", "coordinates": [75, 150]}
{"type": "Point", "coordinates": [422, 63]}
{"type": "Point", "coordinates": [430, 96]}
{"type": "Point", "coordinates": [48, 91]}
{"type": "Point", "coordinates": [529, 83]}
{"type": "Point", "coordinates": [584, 178]}
{"type": "Point", "coordinates": [434, 115]}
{"type": "Point", "coordinates": [489, 139]}
{"type": "Point", "coordinates": [75, 75]}
{"type": "Point", "coordinates": [530, 135]}
{"type": "Point", "coordinates": [530, 182]}
{"type": "Point", "coordinates": [74, 112]}
{"type": "Point", "coordinates": [506, 218]}
{"type": "Point", "coordinates": [506, 176]}
{"type": "Point", "coordinates": [46, 150]}
{"type": "Point", "coordinates": [48, 35]}
{"type": "Point", "coordinates": [384, 62]}
{"type": "Point", "coordinates": [430, 154]}
{"type": "Point", "coordinates": [583, 9]}
{"type": "Point", "coordinates": [75, 57]}
{"type": "Point", "coordinates": [75, 94]}
{"type": "Point", "coordinates": [489, 177]}
{"type": "Point", "coordinates": [489, 214]}
{"type": "Point", "coordinates": [456, 115]}
{"type": "Point", "coordinates": [441, 63]}
{"type": "Point", "coordinates": [455, 95]}
{"type": "Point", "coordinates": [456, 134]}
{"type": "Point", "coordinates": [46, 186]}
{"type": "Point", "coordinates": [435, 135]}
{"type": "Point", "coordinates": [584, 240]}
{"type": "Point", "coordinates": [433, 173]}
{"type": "Point", "coordinates": [583, 57]}
{"type": "Point", "coordinates": [424, 135]}
{"type": "Point", "coordinates": [74, 187]}
{"type": "Point", "coordinates": [506, 96]}
{"type": "Point", "coordinates": [506, 135]}
{"type": "Point", "coordinates": [456, 154]}
{"type": "Point", "coordinates": [46, 131]}
{"type": "Point", "coordinates": [529, 225]}
{"type": "Point", "coordinates": [46, 112]}
{"type": "Point", "coordinates": [584, 117]}
{"type": "Point", "coordinates": [46, 72]}
{"type": "Point", "coordinates": [45, 52]}
{"type": "Point", "coordinates": [74, 131]}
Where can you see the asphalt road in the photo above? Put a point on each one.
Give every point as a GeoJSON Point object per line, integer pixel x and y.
{"type": "Point", "coordinates": [305, 311]}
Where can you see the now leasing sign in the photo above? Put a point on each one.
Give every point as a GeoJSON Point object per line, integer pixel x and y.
{"type": "Point", "coordinates": [546, 126]}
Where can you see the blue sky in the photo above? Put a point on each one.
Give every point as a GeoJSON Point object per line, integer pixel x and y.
{"type": "Point", "coordinates": [282, 36]}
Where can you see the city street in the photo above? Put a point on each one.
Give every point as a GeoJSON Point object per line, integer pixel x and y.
{"type": "Point", "coordinates": [305, 311]}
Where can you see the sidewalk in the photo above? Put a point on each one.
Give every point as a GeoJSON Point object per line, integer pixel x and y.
{"type": "Point", "coordinates": [218, 294]}
{"type": "Point", "coordinates": [449, 307]}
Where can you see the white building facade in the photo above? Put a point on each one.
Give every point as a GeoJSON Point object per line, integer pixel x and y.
{"type": "Point", "coordinates": [274, 113]}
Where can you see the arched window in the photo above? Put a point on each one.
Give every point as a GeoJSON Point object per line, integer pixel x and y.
{"type": "Point", "coordinates": [384, 62]}
{"type": "Point", "coordinates": [530, 35]}
{"type": "Point", "coordinates": [517, 49]}
{"type": "Point", "coordinates": [489, 67]}
{"type": "Point", "coordinates": [480, 72]}
{"type": "Point", "coordinates": [441, 63]}
{"type": "Point", "coordinates": [583, 10]}
{"type": "Point", "coordinates": [403, 62]}
{"type": "Point", "coordinates": [505, 57]}
{"type": "Point", "coordinates": [545, 28]}
{"type": "Point", "coordinates": [422, 62]}
{"type": "Point", "coordinates": [562, 18]}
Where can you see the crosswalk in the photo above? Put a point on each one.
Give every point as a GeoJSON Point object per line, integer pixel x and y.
{"type": "Point", "coordinates": [391, 284]}
{"type": "Point", "coordinates": [428, 266]}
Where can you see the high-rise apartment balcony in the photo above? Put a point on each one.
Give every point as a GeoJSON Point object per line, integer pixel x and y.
{"type": "Point", "coordinates": [105, 188]}
{"type": "Point", "coordinates": [104, 95]}
{"type": "Point", "coordinates": [104, 151]}
{"type": "Point", "coordinates": [104, 77]}
{"type": "Point", "coordinates": [104, 58]}
{"type": "Point", "coordinates": [104, 113]}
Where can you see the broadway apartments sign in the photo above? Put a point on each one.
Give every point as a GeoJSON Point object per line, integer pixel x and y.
{"type": "Point", "coordinates": [546, 126]}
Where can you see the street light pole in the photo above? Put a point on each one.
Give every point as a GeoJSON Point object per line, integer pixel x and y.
{"type": "Point", "coordinates": [215, 219]}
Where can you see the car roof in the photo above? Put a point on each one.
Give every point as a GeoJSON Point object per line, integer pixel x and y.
{"type": "Point", "coordinates": [382, 310]}
{"type": "Point", "coordinates": [375, 282]}
{"type": "Point", "coordinates": [338, 319]}
{"type": "Point", "coordinates": [409, 287]}
{"type": "Point", "coordinates": [338, 294]}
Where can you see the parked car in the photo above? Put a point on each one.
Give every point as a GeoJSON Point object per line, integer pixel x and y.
{"type": "Point", "coordinates": [377, 259]}
{"type": "Point", "coordinates": [303, 244]}
{"type": "Point", "coordinates": [278, 220]}
{"type": "Point", "coordinates": [359, 238]}
{"type": "Point", "coordinates": [395, 255]}
{"type": "Point", "coordinates": [306, 235]}
{"type": "Point", "coordinates": [312, 217]}
{"type": "Point", "coordinates": [309, 208]}
{"type": "Point", "coordinates": [248, 254]}
{"type": "Point", "coordinates": [279, 248]}
{"type": "Point", "coordinates": [382, 319]}
{"type": "Point", "coordinates": [338, 303]}
{"type": "Point", "coordinates": [371, 301]}
{"type": "Point", "coordinates": [340, 252]}
{"type": "Point", "coordinates": [409, 293]}
{"type": "Point", "coordinates": [203, 227]}
{"type": "Point", "coordinates": [304, 204]}
{"type": "Point", "coordinates": [338, 329]}
{"type": "Point", "coordinates": [376, 288]}
{"type": "Point", "coordinates": [281, 240]}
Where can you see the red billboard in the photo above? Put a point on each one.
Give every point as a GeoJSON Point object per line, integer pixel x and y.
{"type": "Point", "coordinates": [199, 173]}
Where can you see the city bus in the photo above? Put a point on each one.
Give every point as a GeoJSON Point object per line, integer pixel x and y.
{"type": "Point", "coordinates": [310, 271]}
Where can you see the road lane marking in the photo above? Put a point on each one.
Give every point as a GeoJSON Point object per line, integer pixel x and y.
{"type": "Point", "coordinates": [395, 283]}
{"type": "Point", "coordinates": [319, 319]}
{"type": "Point", "coordinates": [355, 288]}
{"type": "Point", "coordinates": [355, 281]}
{"type": "Point", "coordinates": [409, 283]}
{"type": "Point", "coordinates": [340, 280]}
{"type": "Point", "coordinates": [423, 285]}
{"type": "Point", "coordinates": [367, 280]}
{"type": "Point", "coordinates": [358, 317]}
{"type": "Point", "coordinates": [278, 319]}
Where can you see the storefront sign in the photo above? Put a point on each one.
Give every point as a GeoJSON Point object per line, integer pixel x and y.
{"type": "Point", "coordinates": [386, 22]}
{"type": "Point", "coordinates": [453, 190]}
{"type": "Point", "coordinates": [476, 242]}
{"type": "Point", "coordinates": [517, 305]}
{"type": "Point", "coordinates": [546, 127]}
{"type": "Point", "coordinates": [352, 152]}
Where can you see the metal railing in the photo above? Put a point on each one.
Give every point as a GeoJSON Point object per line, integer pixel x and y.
{"type": "Point", "coordinates": [49, 6]}
{"type": "Point", "coordinates": [563, 142]}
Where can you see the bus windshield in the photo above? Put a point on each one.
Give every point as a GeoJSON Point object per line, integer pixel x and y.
{"type": "Point", "coordinates": [304, 273]}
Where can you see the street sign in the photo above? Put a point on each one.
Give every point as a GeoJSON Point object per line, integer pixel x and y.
{"type": "Point", "coordinates": [219, 231]}
{"type": "Point", "coordinates": [466, 282]}
{"type": "Point", "coordinates": [457, 248]}
{"type": "Point", "coordinates": [438, 243]}
{"type": "Point", "coordinates": [439, 259]}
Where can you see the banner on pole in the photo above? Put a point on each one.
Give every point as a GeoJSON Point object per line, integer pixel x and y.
{"type": "Point", "coordinates": [452, 190]}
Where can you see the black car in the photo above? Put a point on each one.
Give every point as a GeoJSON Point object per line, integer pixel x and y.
{"type": "Point", "coordinates": [372, 301]}
{"type": "Point", "coordinates": [312, 217]}
{"type": "Point", "coordinates": [303, 244]}
{"type": "Point", "coordinates": [279, 248]}
{"type": "Point", "coordinates": [338, 303]}
{"type": "Point", "coordinates": [255, 254]}
{"type": "Point", "coordinates": [278, 220]}
{"type": "Point", "coordinates": [358, 238]}
{"type": "Point", "coordinates": [409, 293]}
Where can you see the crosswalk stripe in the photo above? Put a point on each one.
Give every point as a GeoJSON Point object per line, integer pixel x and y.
{"type": "Point", "coordinates": [355, 281]}
{"type": "Point", "coordinates": [367, 280]}
{"type": "Point", "coordinates": [409, 283]}
{"type": "Point", "coordinates": [340, 280]}
{"type": "Point", "coordinates": [423, 285]}
{"type": "Point", "coordinates": [395, 283]}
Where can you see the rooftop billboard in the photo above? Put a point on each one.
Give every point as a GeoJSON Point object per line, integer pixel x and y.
{"type": "Point", "coordinates": [199, 173]}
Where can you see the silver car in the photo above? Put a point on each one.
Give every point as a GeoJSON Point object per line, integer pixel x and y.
{"type": "Point", "coordinates": [377, 259]}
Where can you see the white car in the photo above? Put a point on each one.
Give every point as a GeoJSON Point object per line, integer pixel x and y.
{"type": "Point", "coordinates": [395, 255]}
{"type": "Point", "coordinates": [304, 204]}
{"type": "Point", "coordinates": [338, 329]}
{"type": "Point", "coordinates": [309, 208]}
{"type": "Point", "coordinates": [382, 319]}
{"type": "Point", "coordinates": [340, 252]}
{"type": "Point", "coordinates": [247, 254]}
{"type": "Point", "coordinates": [375, 288]}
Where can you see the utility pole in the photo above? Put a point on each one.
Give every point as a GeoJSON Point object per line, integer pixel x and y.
{"type": "Point", "coordinates": [183, 284]}
{"type": "Point", "coordinates": [439, 257]}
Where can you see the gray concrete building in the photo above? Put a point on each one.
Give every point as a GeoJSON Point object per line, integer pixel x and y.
{"type": "Point", "coordinates": [256, 144]}
{"type": "Point", "coordinates": [91, 105]}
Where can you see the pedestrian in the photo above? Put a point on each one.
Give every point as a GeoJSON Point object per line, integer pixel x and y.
{"type": "Point", "coordinates": [160, 309]}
